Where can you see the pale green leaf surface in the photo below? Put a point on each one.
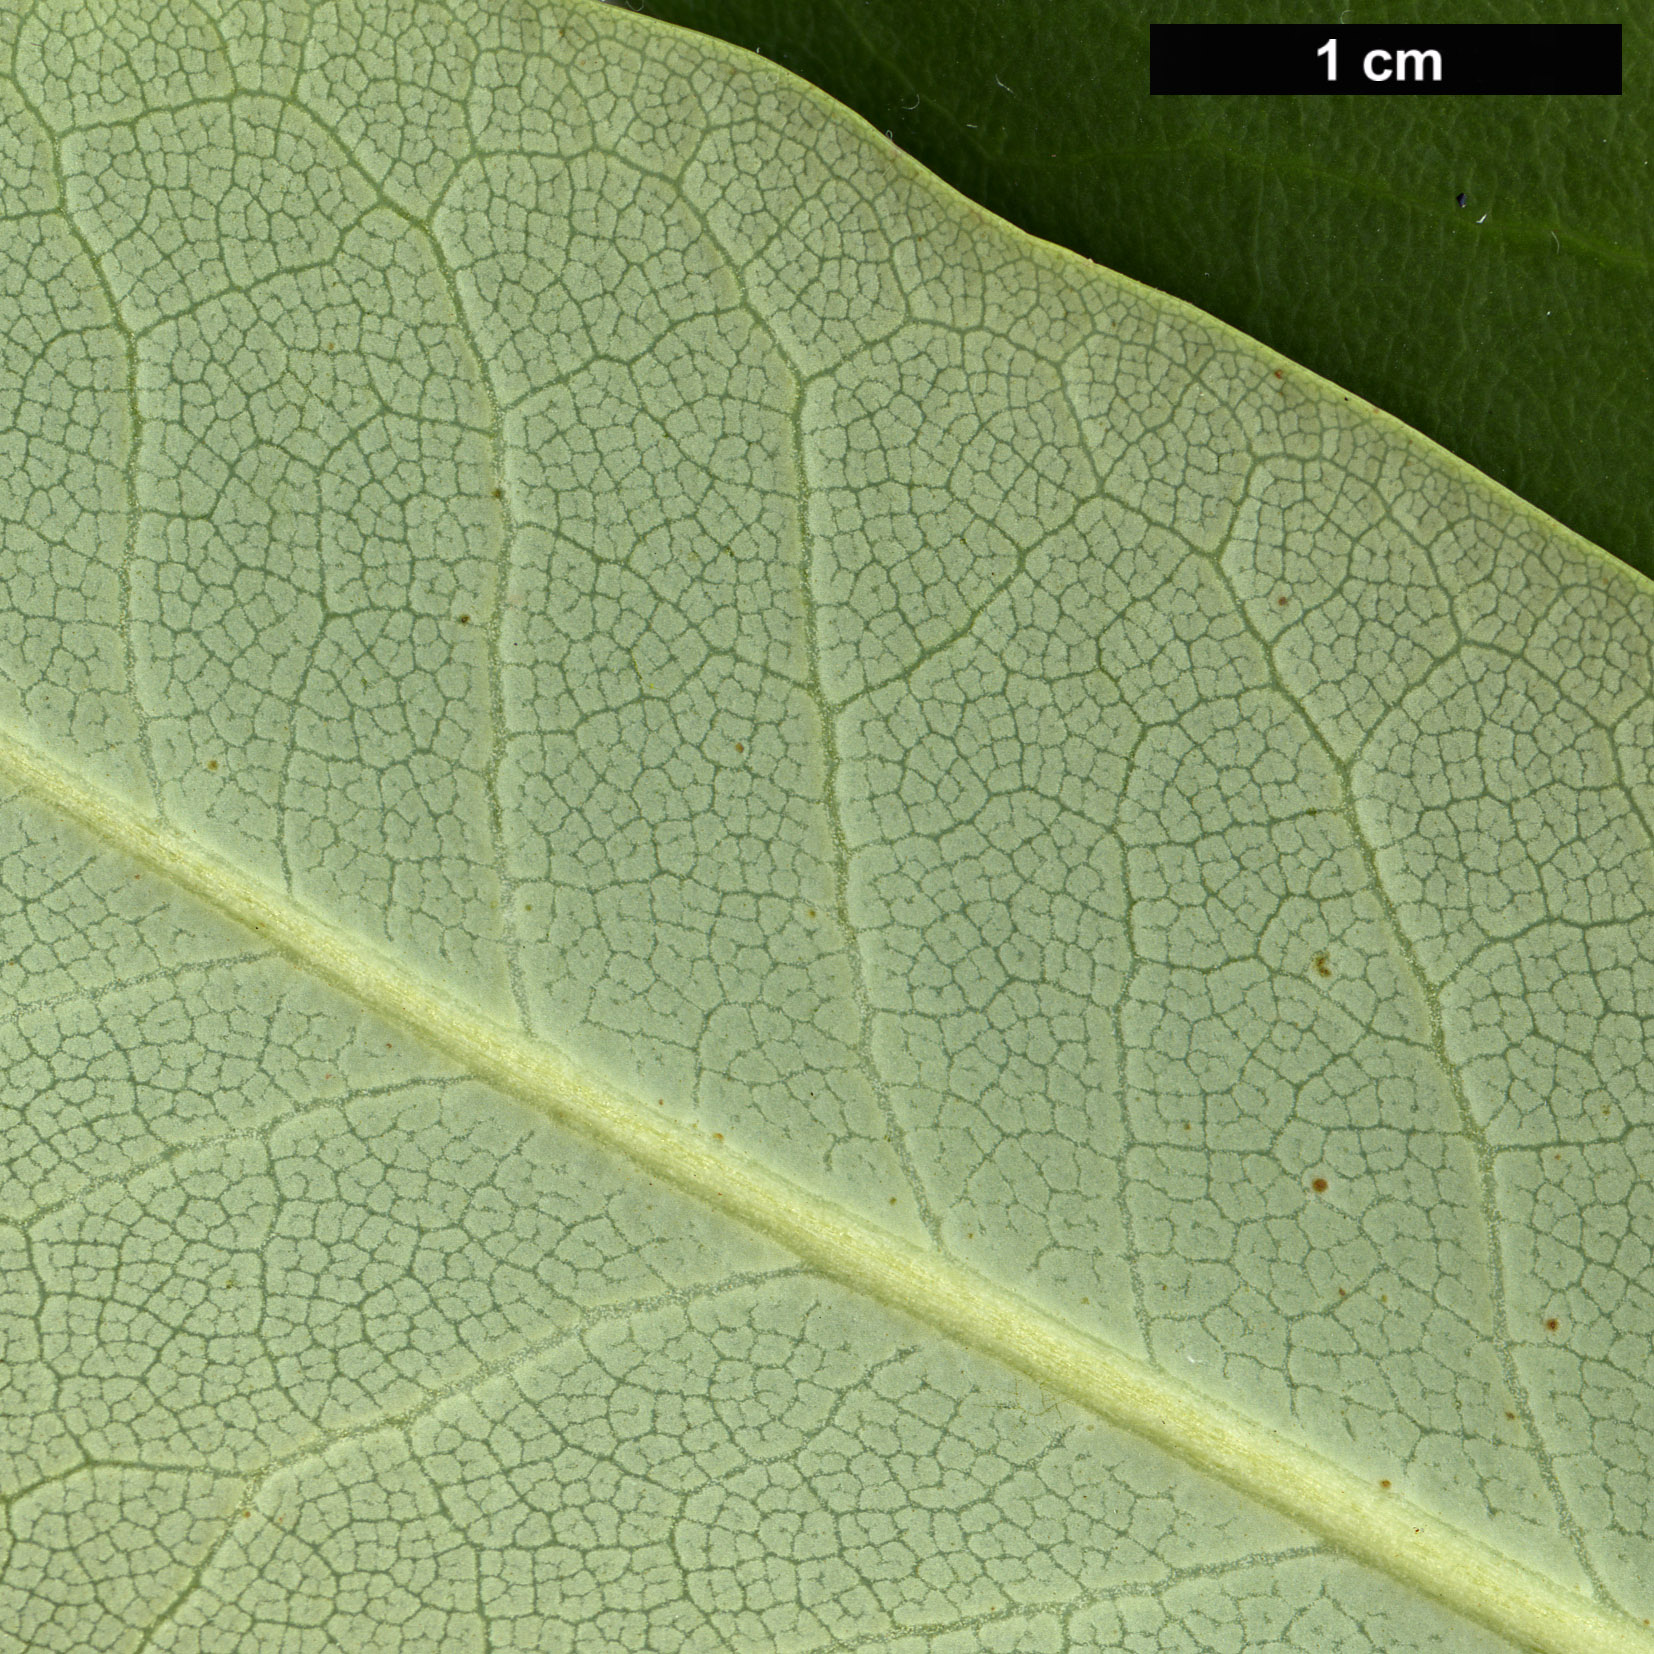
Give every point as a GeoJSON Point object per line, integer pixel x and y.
{"type": "Point", "coordinates": [737, 914]}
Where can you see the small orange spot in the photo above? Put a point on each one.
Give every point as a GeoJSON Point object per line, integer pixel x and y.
{"type": "Point", "coordinates": [1282, 601]}
{"type": "Point", "coordinates": [1343, 1292]}
{"type": "Point", "coordinates": [212, 763]}
{"type": "Point", "coordinates": [1552, 1324]}
{"type": "Point", "coordinates": [1385, 1482]}
{"type": "Point", "coordinates": [1277, 373]}
{"type": "Point", "coordinates": [718, 1136]}
{"type": "Point", "coordinates": [1319, 1185]}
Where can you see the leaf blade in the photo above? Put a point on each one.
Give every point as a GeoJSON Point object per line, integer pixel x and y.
{"type": "Point", "coordinates": [1056, 441]}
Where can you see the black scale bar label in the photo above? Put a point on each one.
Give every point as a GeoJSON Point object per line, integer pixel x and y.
{"type": "Point", "coordinates": [1384, 60]}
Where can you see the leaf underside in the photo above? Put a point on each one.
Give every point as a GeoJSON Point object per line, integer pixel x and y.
{"type": "Point", "coordinates": [1516, 329]}
{"type": "Point", "coordinates": [735, 913]}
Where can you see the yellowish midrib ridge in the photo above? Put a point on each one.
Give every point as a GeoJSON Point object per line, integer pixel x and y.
{"type": "Point", "coordinates": [1379, 1528]}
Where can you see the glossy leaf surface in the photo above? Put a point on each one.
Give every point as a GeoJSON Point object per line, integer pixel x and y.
{"type": "Point", "coordinates": [737, 914]}
{"type": "Point", "coordinates": [1515, 330]}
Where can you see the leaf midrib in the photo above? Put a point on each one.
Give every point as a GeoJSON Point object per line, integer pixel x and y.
{"type": "Point", "coordinates": [1380, 1529]}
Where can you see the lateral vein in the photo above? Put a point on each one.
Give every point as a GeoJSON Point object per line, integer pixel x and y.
{"type": "Point", "coordinates": [1379, 1528]}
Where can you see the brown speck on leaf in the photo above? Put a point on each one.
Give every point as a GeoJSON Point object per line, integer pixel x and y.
{"type": "Point", "coordinates": [1277, 373]}
{"type": "Point", "coordinates": [1282, 601]}
{"type": "Point", "coordinates": [212, 763]}
{"type": "Point", "coordinates": [1319, 1185]}
{"type": "Point", "coordinates": [1509, 1414]}
{"type": "Point", "coordinates": [465, 620]}
{"type": "Point", "coordinates": [1385, 1482]}
{"type": "Point", "coordinates": [717, 1137]}
{"type": "Point", "coordinates": [1322, 967]}
{"type": "Point", "coordinates": [1343, 1292]}
{"type": "Point", "coordinates": [1552, 1324]}
{"type": "Point", "coordinates": [739, 747]}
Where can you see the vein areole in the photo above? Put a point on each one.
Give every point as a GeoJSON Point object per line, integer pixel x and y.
{"type": "Point", "coordinates": [1379, 1528]}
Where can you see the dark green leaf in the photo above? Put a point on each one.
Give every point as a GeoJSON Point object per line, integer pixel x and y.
{"type": "Point", "coordinates": [1517, 331]}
